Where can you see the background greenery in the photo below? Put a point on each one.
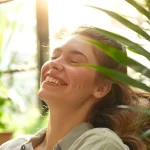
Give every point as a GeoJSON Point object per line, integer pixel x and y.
{"type": "Point", "coordinates": [120, 57]}
{"type": "Point", "coordinates": [18, 71]}
{"type": "Point", "coordinates": [26, 122]}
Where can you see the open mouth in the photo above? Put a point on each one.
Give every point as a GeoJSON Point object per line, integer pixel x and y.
{"type": "Point", "coordinates": [54, 81]}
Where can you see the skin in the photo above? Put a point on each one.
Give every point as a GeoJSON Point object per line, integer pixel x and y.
{"type": "Point", "coordinates": [75, 98]}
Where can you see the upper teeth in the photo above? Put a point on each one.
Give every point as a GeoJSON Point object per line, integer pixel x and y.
{"type": "Point", "coordinates": [53, 80]}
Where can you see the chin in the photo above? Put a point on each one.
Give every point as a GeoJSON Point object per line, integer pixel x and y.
{"type": "Point", "coordinates": [41, 94]}
{"type": "Point", "coordinates": [46, 97]}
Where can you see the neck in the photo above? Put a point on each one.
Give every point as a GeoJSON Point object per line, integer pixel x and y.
{"type": "Point", "coordinates": [62, 120]}
{"type": "Point", "coordinates": [60, 123]}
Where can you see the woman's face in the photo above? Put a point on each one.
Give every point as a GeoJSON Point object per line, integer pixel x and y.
{"type": "Point", "coordinates": [64, 83]}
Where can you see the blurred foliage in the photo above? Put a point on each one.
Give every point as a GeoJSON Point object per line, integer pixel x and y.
{"type": "Point", "coordinates": [7, 106]}
{"type": "Point", "coordinates": [130, 45]}
{"type": "Point", "coordinates": [5, 102]}
{"type": "Point", "coordinates": [29, 123]}
{"type": "Point", "coordinates": [122, 58]}
{"type": "Point", "coordinates": [12, 117]}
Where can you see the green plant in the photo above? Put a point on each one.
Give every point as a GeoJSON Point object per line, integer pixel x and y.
{"type": "Point", "coordinates": [10, 111]}
{"type": "Point", "coordinates": [142, 32]}
{"type": "Point", "coordinates": [132, 46]}
{"type": "Point", "coordinates": [5, 104]}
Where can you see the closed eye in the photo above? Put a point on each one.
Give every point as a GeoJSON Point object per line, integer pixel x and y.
{"type": "Point", "coordinates": [74, 62]}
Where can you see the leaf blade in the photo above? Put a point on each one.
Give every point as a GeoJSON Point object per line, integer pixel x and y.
{"type": "Point", "coordinates": [142, 110]}
{"type": "Point", "coordinates": [141, 9]}
{"type": "Point", "coordinates": [132, 46]}
{"type": "Point", "coordinates": [125, 22]}
{"type": "Point", "coordinates": [117, 76]}
{"type": "Point", "coordinates": [145, 134]}
{"type": "Point", "coordinates": [121, 57]}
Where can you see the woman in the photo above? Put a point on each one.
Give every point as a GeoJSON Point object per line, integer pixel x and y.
{"type": "Point", "coordinates": [82, 102]}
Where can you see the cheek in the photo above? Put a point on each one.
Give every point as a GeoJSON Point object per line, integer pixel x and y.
{"type": "Point", "coordinates": [78, 90]}
{"type": "Point", "coordinates": [83, 82]}
{"type": "Point", "coordinates": [44, 68]}
{"type": "Point", "coordinates": [80, 93]}
{"type": "Point", "coordinates": [83, 77]}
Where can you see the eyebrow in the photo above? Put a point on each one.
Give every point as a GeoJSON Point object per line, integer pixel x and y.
{"type": "Point", "coordinates": [59, 50]}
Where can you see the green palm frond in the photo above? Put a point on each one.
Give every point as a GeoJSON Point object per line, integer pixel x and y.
{"type": "Point", "coordinates": [125, 22]}
{"type": "Point", "coordinates": [132, 46]}
{"type": "Point", "coordinates": [117, 76]}
{"type": "Point", "coordinates": [122, 58]}
{"type": "Point", "coordinates": [141, 9]}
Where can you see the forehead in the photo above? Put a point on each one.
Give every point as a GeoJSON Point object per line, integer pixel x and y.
{"type": "Point", "coordinates": [75, 42]}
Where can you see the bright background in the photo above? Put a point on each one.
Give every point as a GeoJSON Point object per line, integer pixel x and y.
{"type": "Point", "coordinates": [19, 48]}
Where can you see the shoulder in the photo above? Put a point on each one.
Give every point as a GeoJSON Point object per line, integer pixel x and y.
{"type": "Point", "coordinates": [102, 133]}
{"type": "Point", "coordinates": [15, 143]}
{"type": "Point", "coordinates": [99, 138]}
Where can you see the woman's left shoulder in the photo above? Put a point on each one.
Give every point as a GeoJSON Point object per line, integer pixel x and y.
{"type": "Point", "coordinates": [102, 133]}
{"type": "Point", "coordinates": [99, 138]}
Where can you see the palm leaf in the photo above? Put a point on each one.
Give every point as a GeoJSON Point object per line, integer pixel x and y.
{"type": "Point", "coordinates": [148, 4]}
{"type": "Point", "coordinates": [125, 22]}
{"type": "Point", "coordinates": [142, 110]}
{"type": "Point", "coordinates": [139, 8]}
{"type": "Point", "coordinates": [121, 57]}
{"type": "Point", "coordinates": [117, 76]}
{"type": "Point", "coordinates": [145, 134]}
{"type": "Point", "coordinates": [134, 47]}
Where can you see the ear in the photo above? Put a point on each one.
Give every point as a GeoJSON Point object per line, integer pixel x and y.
{"type": "Point", "coordinates": [102, 89]}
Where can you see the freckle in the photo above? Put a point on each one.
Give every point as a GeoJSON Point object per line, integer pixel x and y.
{"type": "Point", "coordinates": [74, 86]}
{"type": "Point", "coordinates": [81, 97]}
{"type": "Point", "coordinates": [79, 87]}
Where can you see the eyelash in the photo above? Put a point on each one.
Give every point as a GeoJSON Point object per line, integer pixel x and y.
{"type": "Point", "coordinates": [73, 62]}
{"type": "Point", "coordinates": [53, 58]}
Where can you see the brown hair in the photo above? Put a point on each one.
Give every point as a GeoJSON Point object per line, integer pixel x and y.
{"type": "Point", "coordinates": [105, 113]}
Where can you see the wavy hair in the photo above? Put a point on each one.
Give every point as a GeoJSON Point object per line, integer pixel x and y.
{"type": "Point", "coordinates": [105, 112]}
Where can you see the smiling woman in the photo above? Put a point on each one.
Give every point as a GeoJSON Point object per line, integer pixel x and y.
{"type": "Point", "coordinates": [82, 102]}
{"type": "Point", "coordinates": [62, 69]}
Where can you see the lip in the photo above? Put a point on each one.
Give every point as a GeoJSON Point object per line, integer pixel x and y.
{"type": "Point", "coordinates": [55, 77]}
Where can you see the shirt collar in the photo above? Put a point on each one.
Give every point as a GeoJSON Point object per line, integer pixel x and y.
{"type": "Point", "coordinates": [37, 138]}
{"type": "Point", "coordinates": [66, 141]}
{"type": "Point", "coordinates": [69, 139]}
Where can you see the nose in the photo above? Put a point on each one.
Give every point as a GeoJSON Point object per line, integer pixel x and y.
{"type": "Point", "coordinates": [56, 65]}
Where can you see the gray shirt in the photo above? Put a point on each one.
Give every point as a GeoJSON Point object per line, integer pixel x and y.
{"type": "Point", "coordinates": [81, 137]}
